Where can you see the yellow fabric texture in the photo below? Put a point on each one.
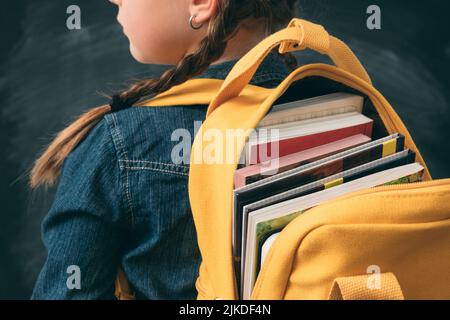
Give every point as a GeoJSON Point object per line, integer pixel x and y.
{"type": "Point", "coordinates": [299, 35]}
{"type": "Point", "coordinates": [400, 229]}
{"type": "Point", "coordinates": [361, 288]}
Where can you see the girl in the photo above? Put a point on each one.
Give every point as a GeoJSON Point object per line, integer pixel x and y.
{"type": "Point", "coordinates": [120, 200]}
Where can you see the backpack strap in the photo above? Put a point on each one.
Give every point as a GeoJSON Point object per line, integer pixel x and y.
{"type": "Point", "coordinates": [211, 185]}
{"type": "Point", "coordinates": [192, 92]}
{"type": "Point", "coordinates": [361, 288]}
{"type": "Point", "coordinates": [195, 92]}
{"type": "Point", "coordinates": [299, 35]}
{"type": "Point", "coordinates": [199, 91]}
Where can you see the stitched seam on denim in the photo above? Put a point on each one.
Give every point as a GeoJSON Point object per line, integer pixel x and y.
{"type": "Point", "coordinates": [156, 163]}
{"type": "Point", "coordinates": [157, 170]}
{"type": "Point", "coordinates": [158, 166]}
{"type": "Point", "coordinates": [271, 74]}
{"type": "Point", "coordinates": [113, 142]}
{"type": "Point", "coordinates": [117, 136]}
{"type": "Point", "coordinates": [268, 77]}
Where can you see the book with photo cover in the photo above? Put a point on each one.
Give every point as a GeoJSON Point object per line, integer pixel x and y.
{"type": "Point", "coordinates": [264, 246]}
{"type": "Point", "coordinates": [259, 219]}
{"type": "Point", "coordinates": [399, 159]}
{"type": "Point", "coordinates": [269, 233]}
{"type": "Point", "coordinates": [331, 182]}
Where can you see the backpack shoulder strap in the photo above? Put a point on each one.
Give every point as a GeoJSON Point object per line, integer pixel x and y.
{"type": "Point", "coordinates": [234, 110]}
{"type": "Point", "coordinates": [192, 92]}
{"type": "Point", "coordinates": [195, 92]}
{"type": "Point", "coordinates": [299, 35]}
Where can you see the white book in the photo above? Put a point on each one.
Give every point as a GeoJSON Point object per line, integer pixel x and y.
{"type": "Point", "coordinates": [304, 203]}
{"type": "Point", "coordinates": [267, 245]}
{"type": "Point", "coordinates": [303, 128]}
{"type": "Point", "coordinates": [317, 107]}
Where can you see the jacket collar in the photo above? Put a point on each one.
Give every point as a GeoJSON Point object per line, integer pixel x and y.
{"type": "Point", "coordinates": [272, 68]}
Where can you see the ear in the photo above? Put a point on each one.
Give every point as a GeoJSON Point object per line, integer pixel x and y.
{"type": "Point", "coordinates": [204, 9]}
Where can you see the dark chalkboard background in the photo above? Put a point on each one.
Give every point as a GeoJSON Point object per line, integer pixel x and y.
{"type": "Point", "coordinates": [48, 75]}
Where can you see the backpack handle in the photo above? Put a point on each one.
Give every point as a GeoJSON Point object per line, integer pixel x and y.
{"type": "Point", "coordinates": [363, 288]}
{"type": "Point", "coordinates": [299, 35]}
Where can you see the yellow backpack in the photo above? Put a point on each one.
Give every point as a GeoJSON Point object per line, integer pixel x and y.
{"type": "Point", "coordinates": [325, 253]}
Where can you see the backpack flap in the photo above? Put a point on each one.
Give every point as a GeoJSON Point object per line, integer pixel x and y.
{"type": "Point", "coordinates": [353, 242]}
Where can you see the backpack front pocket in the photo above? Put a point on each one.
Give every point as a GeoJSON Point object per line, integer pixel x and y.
{"type": "Point", "coordinates": [401, 229]}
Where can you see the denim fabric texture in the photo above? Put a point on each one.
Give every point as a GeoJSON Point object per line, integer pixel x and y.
{"type": "Point", "coordinates": [121, 201]}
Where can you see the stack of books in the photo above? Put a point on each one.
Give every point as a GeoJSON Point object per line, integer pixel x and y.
{"type": "Point", "coordinates": [322, 149]}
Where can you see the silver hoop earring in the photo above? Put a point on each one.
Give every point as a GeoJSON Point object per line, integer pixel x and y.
{"type": "Point", "coordinates": [191, 22]}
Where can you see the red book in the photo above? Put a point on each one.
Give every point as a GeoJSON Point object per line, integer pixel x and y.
{"type": "Point", "coordinates": [303, 135]}
{"type": "Point", "coordinates": [262, 170]}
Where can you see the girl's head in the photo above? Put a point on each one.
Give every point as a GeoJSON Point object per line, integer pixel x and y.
{"type": "Point", "coordinates": [190, 35]}
{"type": "Point", "coordinates": [160, 32]}
{"type": "Point", "coordinates": [193, 34]}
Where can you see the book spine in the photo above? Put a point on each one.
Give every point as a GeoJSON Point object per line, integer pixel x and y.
{"type": "Point", "coordinates": [263, 152]}
{"type": "Point", "coordinates": [239, 180]}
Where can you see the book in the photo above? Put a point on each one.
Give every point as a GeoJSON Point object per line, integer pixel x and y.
{"type": "Point", "coordinates": [401, 158]}
{"type": "Point", "coordinates": [253, 173]}
{"type": "Point", "coordinates": [277, 141]}
{"type": "Point", "coordinates": [265, 245]}
{"type": "Point", "coordinates": [316, 107]}
{"type": "Point", "coordinates": [302, 175]}
{"type": "Point", "coordinates": [268, 217]}
{"type": "Point", "coordinates": [398, 159]}
{"type": "Point", "coordinates": [333, 181]}
{"type": "Point", "coordinates": [269, 235]}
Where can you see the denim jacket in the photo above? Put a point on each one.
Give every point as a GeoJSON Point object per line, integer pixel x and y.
{"type": "Point", "coordinates": [121, 201]}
